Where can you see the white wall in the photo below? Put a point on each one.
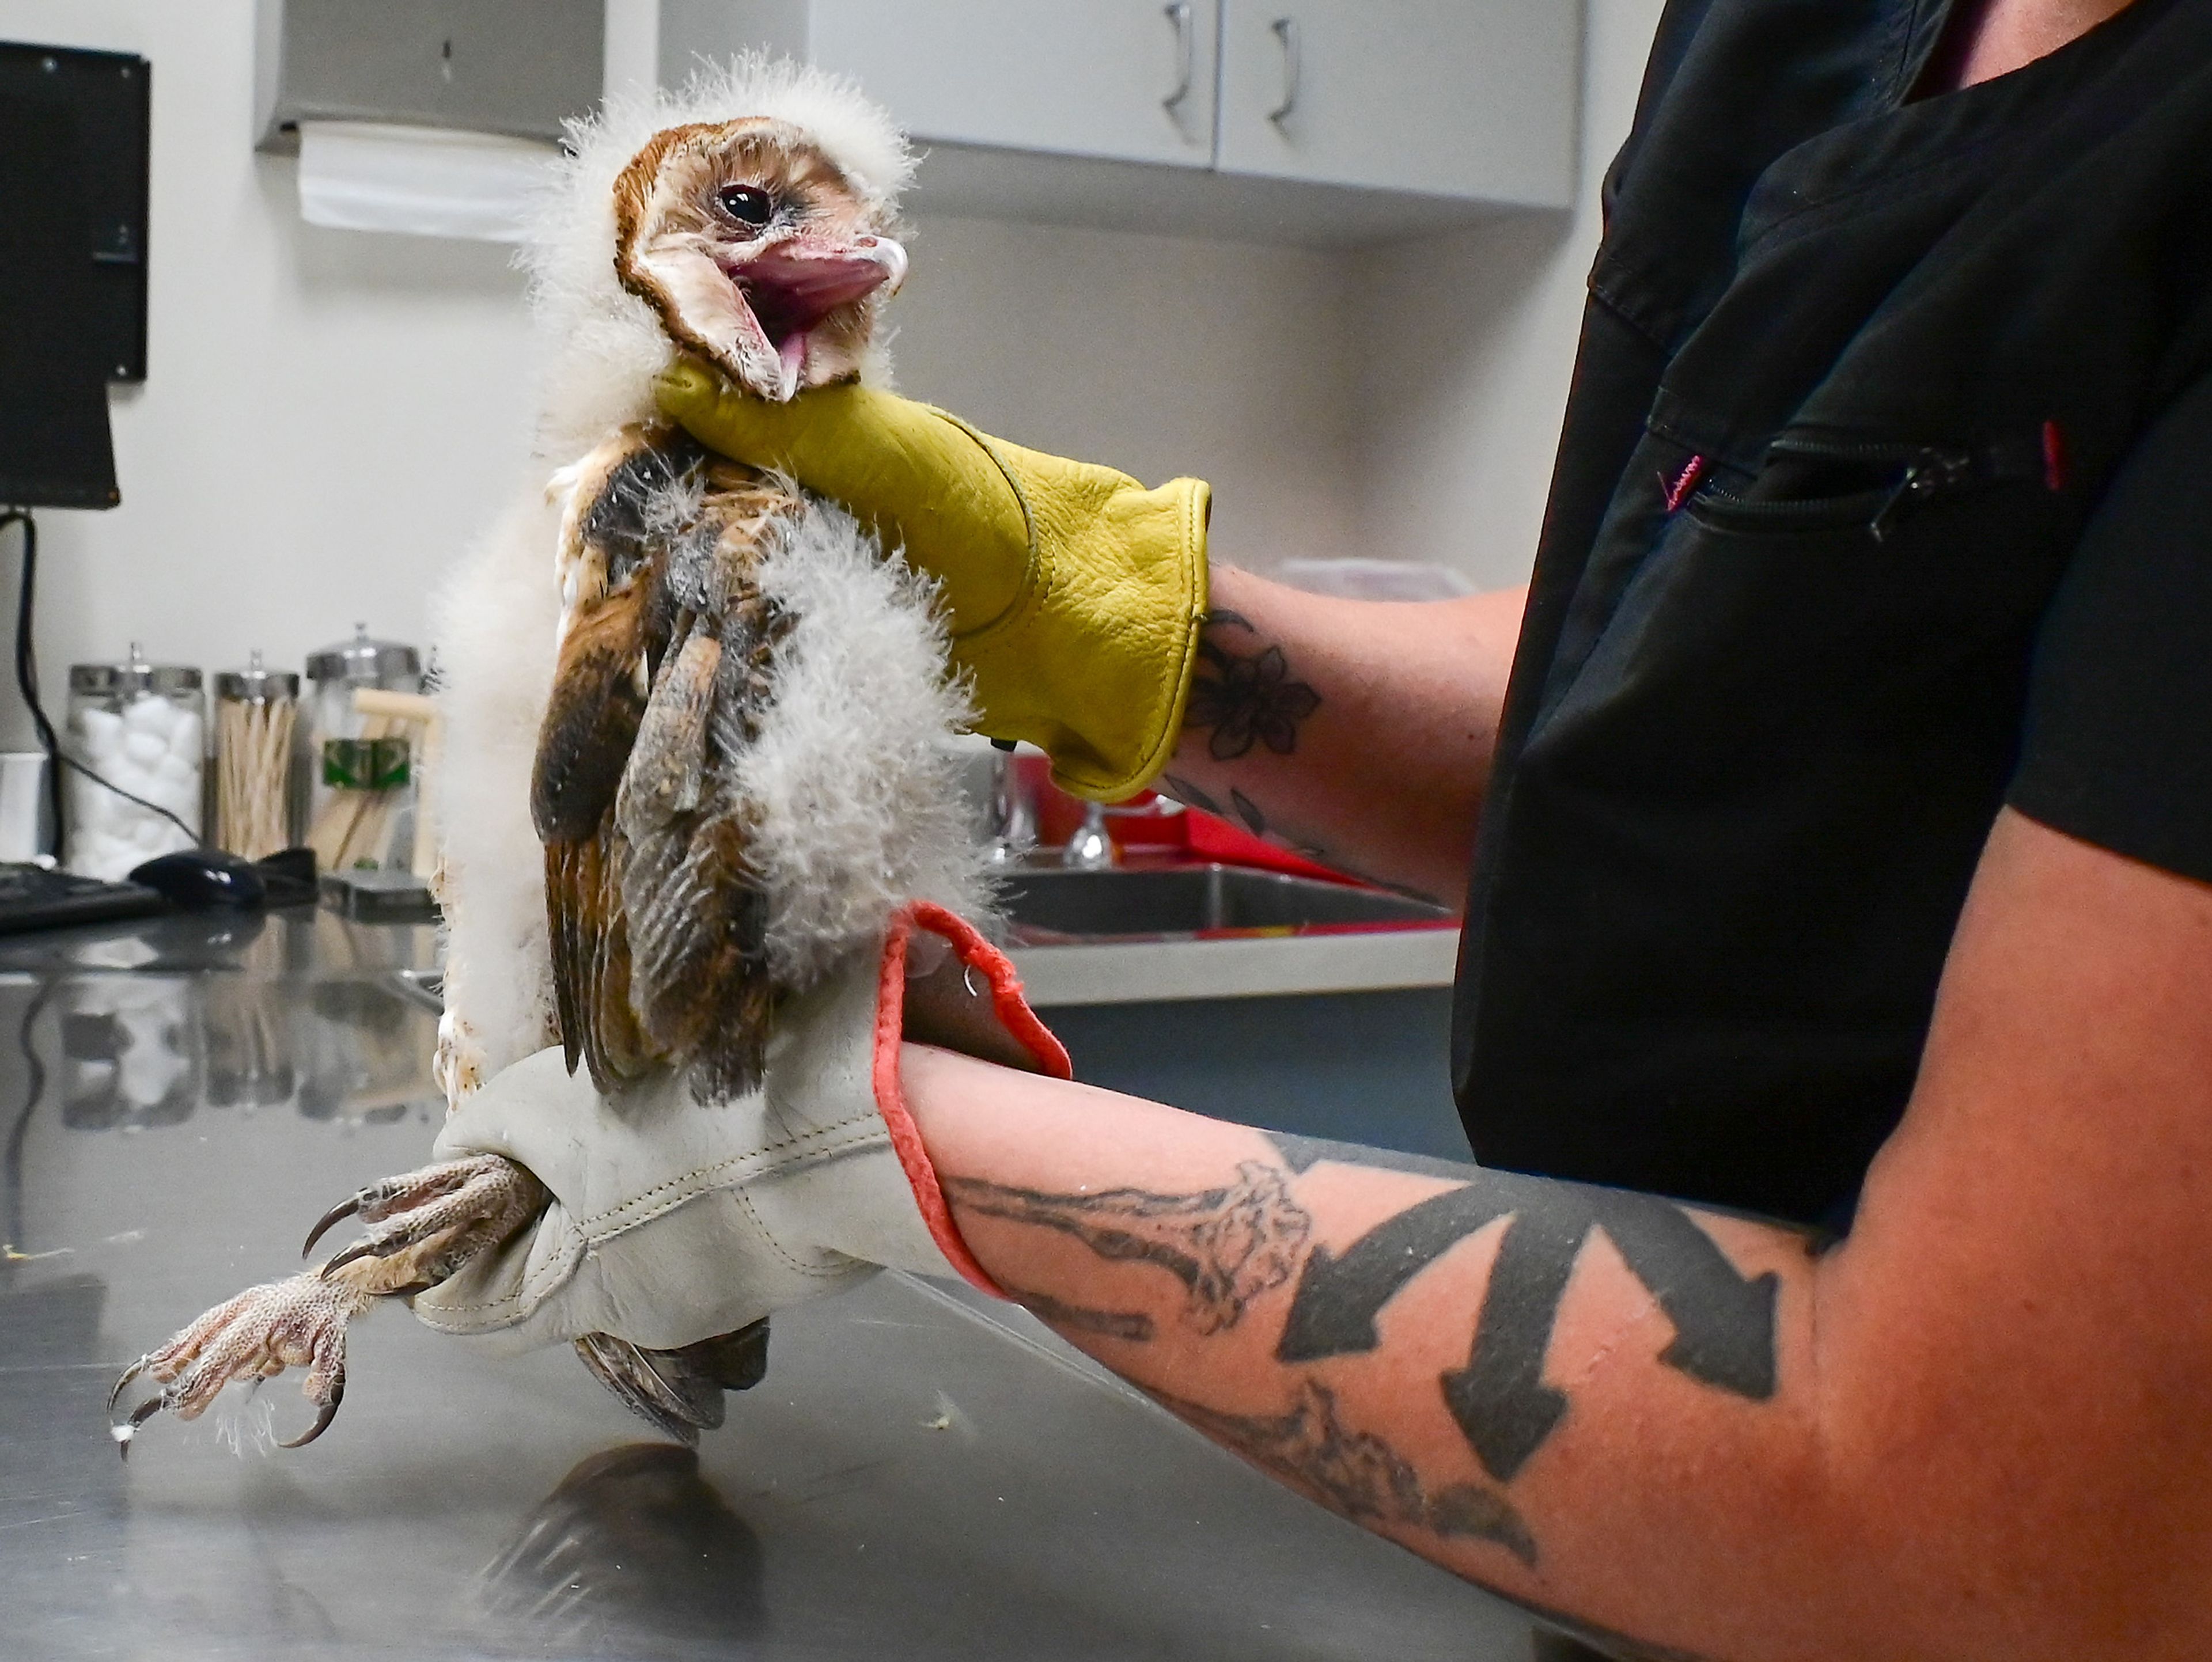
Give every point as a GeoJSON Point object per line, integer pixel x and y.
{"type": "Point", "coordinates": [325, 416]}
{"type": "Point", "coordinates": [1469, 342]}
{"type": "Point", "coordinates": [329, 415]}
{"type": "Point", "coordinates": [1158, 355]}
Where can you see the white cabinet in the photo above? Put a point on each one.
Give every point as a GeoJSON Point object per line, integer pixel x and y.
{"type": "Point", "coordinates": [1129, 79]}
{"type": "Point", "coordinates": [1471, 99]}
{"type": "Point", "coordinates": [1319, 122]}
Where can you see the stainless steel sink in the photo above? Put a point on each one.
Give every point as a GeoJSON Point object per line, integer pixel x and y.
{"type": "Point", "coordinates": [1047, 904]}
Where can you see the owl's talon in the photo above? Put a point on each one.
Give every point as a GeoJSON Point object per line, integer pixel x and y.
{"type": "Point", "coordinates": [324, 1415]}
{"type": "Point", "coordinates": [337, 1214]}
{"type": "Point", "coordinates": [299, 1323]}
{"type": "Point", "coordinates": [123, 1382]}
{"type": "Point", "coordinates": [435, 1220]}
{"type": "Point", "coordinates": [360, 1249]}
{"type": "Point", "coordinates": [123, 1434]}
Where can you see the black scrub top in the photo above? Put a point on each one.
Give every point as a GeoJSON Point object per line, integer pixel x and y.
{"type": "Point", "coordinates": [1885, 497]}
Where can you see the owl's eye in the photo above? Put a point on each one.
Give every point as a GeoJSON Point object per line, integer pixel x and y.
{"type": "Point", "coordinates": [747, 204]}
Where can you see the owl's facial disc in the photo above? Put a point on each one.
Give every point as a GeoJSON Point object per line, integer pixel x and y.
{"type": "Point", "coordinates": [758, 251]}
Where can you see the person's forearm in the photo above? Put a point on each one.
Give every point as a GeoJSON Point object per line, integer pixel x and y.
{"type": "Point", "coordinates": [1618, 1436]}
{"type": "Point", "coordinates": [1359, 733]}
{"type": "Point", "coordinates": [1955, 1436]}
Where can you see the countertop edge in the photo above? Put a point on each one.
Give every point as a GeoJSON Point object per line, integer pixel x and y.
{"type": "Point", "coordinates": [1165, 971]}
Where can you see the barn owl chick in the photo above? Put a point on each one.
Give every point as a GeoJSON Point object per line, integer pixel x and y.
{"type": "Point", "coordinates": [695, 721]}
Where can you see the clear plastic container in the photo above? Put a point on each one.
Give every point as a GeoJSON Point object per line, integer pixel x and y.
{"type": "Point", "coordinates": [256, 713]}
{"type": "Point", "coordinates": [361, 767]}
{"type": "Point", "coordinates": [142, 728]}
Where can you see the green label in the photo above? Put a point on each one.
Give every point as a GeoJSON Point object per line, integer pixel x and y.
{"type": "Point", "coordinates": [365, 764]}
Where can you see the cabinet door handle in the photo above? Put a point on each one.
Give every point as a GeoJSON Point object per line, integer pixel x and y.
{"type": "Point", "coordinates": [1186, 55]}
{"type": "Point", "coordinates": [1286, 31]}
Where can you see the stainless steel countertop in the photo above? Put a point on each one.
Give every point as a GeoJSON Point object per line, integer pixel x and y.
{"type": "Point", "coordinates": [922, 1475]}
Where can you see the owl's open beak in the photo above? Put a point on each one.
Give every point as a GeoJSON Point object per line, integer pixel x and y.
{"type": "Point", "coordinates": [791, 287]}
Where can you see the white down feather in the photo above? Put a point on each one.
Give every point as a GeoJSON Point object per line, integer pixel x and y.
{"type": "Point", "coordinates": [862, 807]}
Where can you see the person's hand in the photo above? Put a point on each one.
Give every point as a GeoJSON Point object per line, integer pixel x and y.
{"type": "Point", "coordinates": [1074, 594]}
{"type": "Point", "coordinates": [673, 1221]}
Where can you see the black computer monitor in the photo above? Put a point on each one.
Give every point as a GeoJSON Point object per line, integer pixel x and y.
{"type": "Point", "coordinates": [73, 138]}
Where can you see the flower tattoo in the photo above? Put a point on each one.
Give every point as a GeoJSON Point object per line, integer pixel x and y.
{"type": "Point", "coordinates": [1246, 700]}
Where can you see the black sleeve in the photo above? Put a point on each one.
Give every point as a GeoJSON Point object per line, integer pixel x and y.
{"type": "Point", "coordinates": [2118, 745]}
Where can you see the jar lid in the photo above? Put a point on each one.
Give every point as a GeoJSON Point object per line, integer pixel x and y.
{"type": "Point", "coordinates": [365, 663]}
{"type": "Point", "coordinates": [133, 676]}
{"type": "Point", "coordinates": [256, 685]}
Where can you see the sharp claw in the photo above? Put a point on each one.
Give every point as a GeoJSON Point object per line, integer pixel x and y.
{"type": "Point", "coordinates": [324, 1416]}
{"type": "Point", "coordinates": [139, 1416]}
{"type": "Point", "coordinates": [360, 1249]}
{"type": "Point", "coordinates": [343, 1209]}
{"type": "Point", "coordinates": [145, 1410]}
{"type": "Point", "coordinates": [129, 1374]}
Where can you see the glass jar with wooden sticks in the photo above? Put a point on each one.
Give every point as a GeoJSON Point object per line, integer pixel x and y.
{"type": "Point", "coordinates": [360, 805]}
{"type": "Point", "coordinates": [256, 721]}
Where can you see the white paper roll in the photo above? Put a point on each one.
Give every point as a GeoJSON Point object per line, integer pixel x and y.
{"type": "Point", "coordinates": [424, 181]}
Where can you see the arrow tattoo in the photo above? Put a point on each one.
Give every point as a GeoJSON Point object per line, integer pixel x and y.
{"type": "Point", "coordinates": [1333, 1311]}
{"type": "Point", "coordinates": [1504, 1408]}
{"type": "Point", "coordinates": [1723, 1320]}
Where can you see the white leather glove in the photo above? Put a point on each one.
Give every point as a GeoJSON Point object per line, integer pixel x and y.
{"type": "Point", "coordinates": [673, 1221]}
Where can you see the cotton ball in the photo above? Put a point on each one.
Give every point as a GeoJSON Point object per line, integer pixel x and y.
{"type": "Point", "coordinates": [151, 714]}
{"type": "Point", "coordinates": [102, 729]}
{"type": "Point", "coordinates": [186, 737]}
{"type": "Point", "coordinates": [164, 792]}
{"type": "Point", "coordinates": [146, 748]}
{"type": "Point", "coordinates": [93, 810]}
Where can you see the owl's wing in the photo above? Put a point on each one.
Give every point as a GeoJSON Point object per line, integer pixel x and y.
{"type": "Point", "coordinates": [658, 914]}
{"type": "Point", "coordinates": [590, 725]}
{"type": "Point", "coordinates": [678, 1392]}
{"type": "Point", "coordinates": [695, 903]}
{"type": "Point", "coordinates": [591, 962]}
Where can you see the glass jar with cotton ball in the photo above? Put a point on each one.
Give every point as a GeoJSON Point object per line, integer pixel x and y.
{"type": "Point", "coordinates": [137, 750]}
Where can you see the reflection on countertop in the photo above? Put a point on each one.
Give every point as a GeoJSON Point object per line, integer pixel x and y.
{"type": "Point", "coordinates": [920, 1477]}
{"type": "Point", "coordinates": [158, 1017]}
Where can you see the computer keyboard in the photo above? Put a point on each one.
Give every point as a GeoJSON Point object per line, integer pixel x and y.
{"type": "Point", "coordinates": [31, 897]}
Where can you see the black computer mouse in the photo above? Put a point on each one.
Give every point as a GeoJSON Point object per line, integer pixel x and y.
{"type": "Point", "coordinates": [199, 878]}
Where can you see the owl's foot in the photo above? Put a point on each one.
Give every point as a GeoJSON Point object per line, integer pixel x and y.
{"type": "Point", "coordinates": [297, 1323]}
{"type": "Point", "coordinates": [431, 1223]}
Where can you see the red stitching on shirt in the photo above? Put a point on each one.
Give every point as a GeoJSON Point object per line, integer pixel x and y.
{"type": "Point", "coordinates": [1685, 482]}
{"type": "Point", "coordinates": [2054, 458]}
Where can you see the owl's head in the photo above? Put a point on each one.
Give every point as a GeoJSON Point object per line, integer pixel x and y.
{"type": "Point", "coordinates": [759, 252]}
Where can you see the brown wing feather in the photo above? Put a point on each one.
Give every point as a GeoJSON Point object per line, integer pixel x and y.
{"type": "Point", "coordinates": [658, 913]}
{"type": "Point", "coordinates": [591, 723]}
{"type": "Point", "coordinates": [591, 962]}
{"type": "Point", "coordinates": [678, 1392]}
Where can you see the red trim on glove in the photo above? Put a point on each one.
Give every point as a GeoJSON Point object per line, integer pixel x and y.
{"type": "Point", "coordinates": [1013, 1013]}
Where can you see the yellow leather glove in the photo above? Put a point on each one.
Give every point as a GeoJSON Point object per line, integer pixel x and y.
{"type": "Point", "coordinates": [1074, 594]}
